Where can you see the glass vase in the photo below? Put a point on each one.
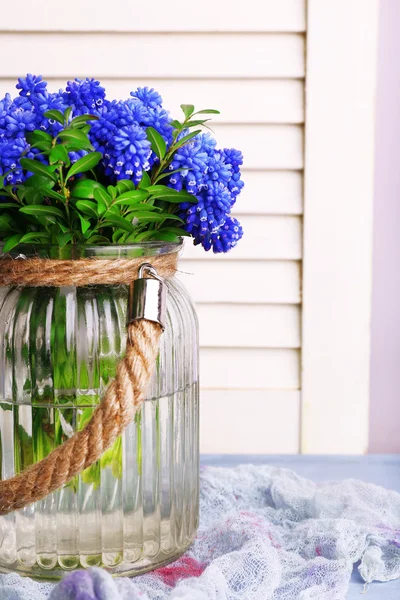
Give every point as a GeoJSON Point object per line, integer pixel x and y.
{"type": "Point", "coordinates": [137, 507]}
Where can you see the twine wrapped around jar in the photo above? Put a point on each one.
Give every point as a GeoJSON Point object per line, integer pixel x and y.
{"type": "Point", "coordinates": [124, 395]}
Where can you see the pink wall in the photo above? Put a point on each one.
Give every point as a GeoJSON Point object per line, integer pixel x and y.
{"type": "Point", "coordinates": [385, 357]}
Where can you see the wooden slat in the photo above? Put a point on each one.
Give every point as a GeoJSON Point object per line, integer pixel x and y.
{"type": "Point", "coordinates": [243, 326]}
{"type": "Point", "coordinates": [264, 237]}
{"type": "Point", "coordinates": [249, 422]}
{"type": "Point", "coordinates": [260, 101]}
{"type": "Point", "coordinates": [270, 192]}
{"type": "Point", "coordinates": [242, 281]}
{"type": "Point", "coordinates": [233, 368]}
{"type": "Point", "coordinates": [341, 56]}
{"type": "Point", "coordinates": [264, 146]}
{"type": "Point", "coordinates": [177, 15]}
{"type": "Point", "coordinates": [133, 55]}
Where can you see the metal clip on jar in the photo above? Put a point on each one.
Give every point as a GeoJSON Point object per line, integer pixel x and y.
{"type": "Point", "coordinates": [147, 297]}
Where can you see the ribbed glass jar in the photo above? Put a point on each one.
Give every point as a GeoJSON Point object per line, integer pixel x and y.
{"type": "Point", "coordinates": [137, 507]}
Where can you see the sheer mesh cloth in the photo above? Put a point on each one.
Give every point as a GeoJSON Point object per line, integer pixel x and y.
{"type": "Point", "coordinates": [265, 534]}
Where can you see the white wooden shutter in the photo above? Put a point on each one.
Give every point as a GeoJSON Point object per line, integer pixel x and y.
{"type": "Point", "coordinates": [248, 60]}
{"type": "Point", "coordinates": [337, 282]}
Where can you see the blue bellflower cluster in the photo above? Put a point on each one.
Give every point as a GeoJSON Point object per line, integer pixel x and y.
{"type": "Point", "coordinates": [119, 133]}
{"type": "Point", "coordinates": [213, 176]}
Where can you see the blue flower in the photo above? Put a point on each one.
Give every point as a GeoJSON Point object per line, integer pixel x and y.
{"type": "Point", "coordinates": [228, 236]}
{"type": "Point", "coordinates": [51, 102]}
{"type": "Point", "coordinates": [10, 154]}
{"type": "Point", "coordinates": [103, 130]}
{"type": "Point", "coordinates": [218, 170]}
{"type": "Point", "coordinates": [86, 95]}
{"type": "Point", "coordinates": [214, 177]}
{"type": "Point", "coordinates": [159, 119]}
{"type": "Point", "coordinates": [153, 115]}
{"type": "Point", "coordinates": [193, 158]}
{"type": "Point", "coordinates": [31, 85]}
{"type": "Point", "coordinates": [128, 113]}
{"type": "Point", "coordinates": [127, 154]}
{"type": "Point", "coordinates": [33, 93]}
{"type": "Point", "coordinates": [148, 96]}
{"type": "Point", "coordinates": [120, 133]}
{"type": "Point", "coordinates": [205, 218]}
{"type": "Point", "coordinates": [19, 121]}
{"type": "Point", "coordinates": [5, 105]}
{"type": "Point", "coordinates": [222, 240]}
{"type": "Point", "coordinates": [234, 158]}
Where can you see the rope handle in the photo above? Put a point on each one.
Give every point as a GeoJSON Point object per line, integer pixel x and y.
{"type": "Point", "coordinates": [121, 400]}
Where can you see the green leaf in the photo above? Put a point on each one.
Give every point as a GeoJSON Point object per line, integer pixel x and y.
{"type": "Point", "coordinates": [132, 196]}
{"type": "Point", "coordinates": [63, 227]}
{"type": "Point", "coordinates": [41, 210]}
{"type": "Point", "coordinates": [140, 237]}
{"type": "Point", "coordinates": [32, 195]}
{"type": "Point", "coordinates": [39, 181]}
{"type": "Point", "coordinates": [10, 189]}
{"type": "Point", "coordinates": [82, 120]}
{"type": "Point", "coordinates": [171, 217]}
{"type": "Point", "coordinates": [84, 188]}
{"type": "Point", "coordinates": [87, 207]}
{"type": "Point", "coordinates": [35, 236]}
{"type": "Point", "coordinates": [55, 115]}
{"type": "Point", "coordinates": [117, 221]}
{"type": "Point", "coordinates": [85, 224]}
{"type": "Point", "coordinates": [145, 181]}
{"type": "Point", "coordinates": [153, 189]}
{"type": "Point", "coordinates": [124, 185]}
{"type": "Point", "coordinates": [84, 164]}
{"type": "Point", "coordinates": [112, 191]}
{"type": "Point", "coordinates": [48, 193]}
{"type": "Point", "coordinates": [178, 199]}
{"type": "Point", "coordinates": [1, 181]}
{"type": "Point", "coordinates": [165, 236]}
{"type": "Point", "coordinates": [166, 174]}
{"type": "Point", "coordinates": [67, 114]}
{"type": "Point", "coordinates": [185, 139]}
{"type": "Point", "coordinates": [196, 122]}
{"type": "Point", "coordinates": [188, 110]}
{"type": "Point", "coordinates": [76, 145]}
{"type": "Point", "coordinates": [135, 206]}
{"type": "Point", "coordinates": [176, 125]}
{"type": "Point", "coordinates": [9, 205]}
{"type": "Point", "coordinates": [119, 235]}
{"type": "Point", "coordinates": [74, 135]}
{"type": "Point", "coordinates": [156, 217]}
{"type": "Point", "coordinates": [38, 134]}
{"type": "Point", "coordinates": [103, 199]}
{"type": "Point", "coordinates": [95, 239]}
{"type": "Point", "coordinates": [163, 192]}
{"type": "Point", "coordinates": [6, 223]}
{"type": "Point", "coordinates": [59, 153]}
{"type": "Point", "coordinates": [208, 111]}
{"type": "Point", "coordinates": [42, 145]}
{"type": "Point", "coordinates": [37, 167]}
{"type": "Point", "coordinates": [11, 242]}
{"type": "Point", "coordinates": [176, 230]}
{"type": "Point", "coordinates": [157, 142]}
{"type": "Point", "coordinates": [64, 238]}
{"type": "Point", "coordinates": [159, 234]}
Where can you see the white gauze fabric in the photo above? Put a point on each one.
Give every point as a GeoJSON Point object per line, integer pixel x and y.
{"type": "Point", "coordinates": [265, 534]}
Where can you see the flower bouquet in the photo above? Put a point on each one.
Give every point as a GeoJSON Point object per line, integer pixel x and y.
{"type": "Point", "coordinates": [80, 169]}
